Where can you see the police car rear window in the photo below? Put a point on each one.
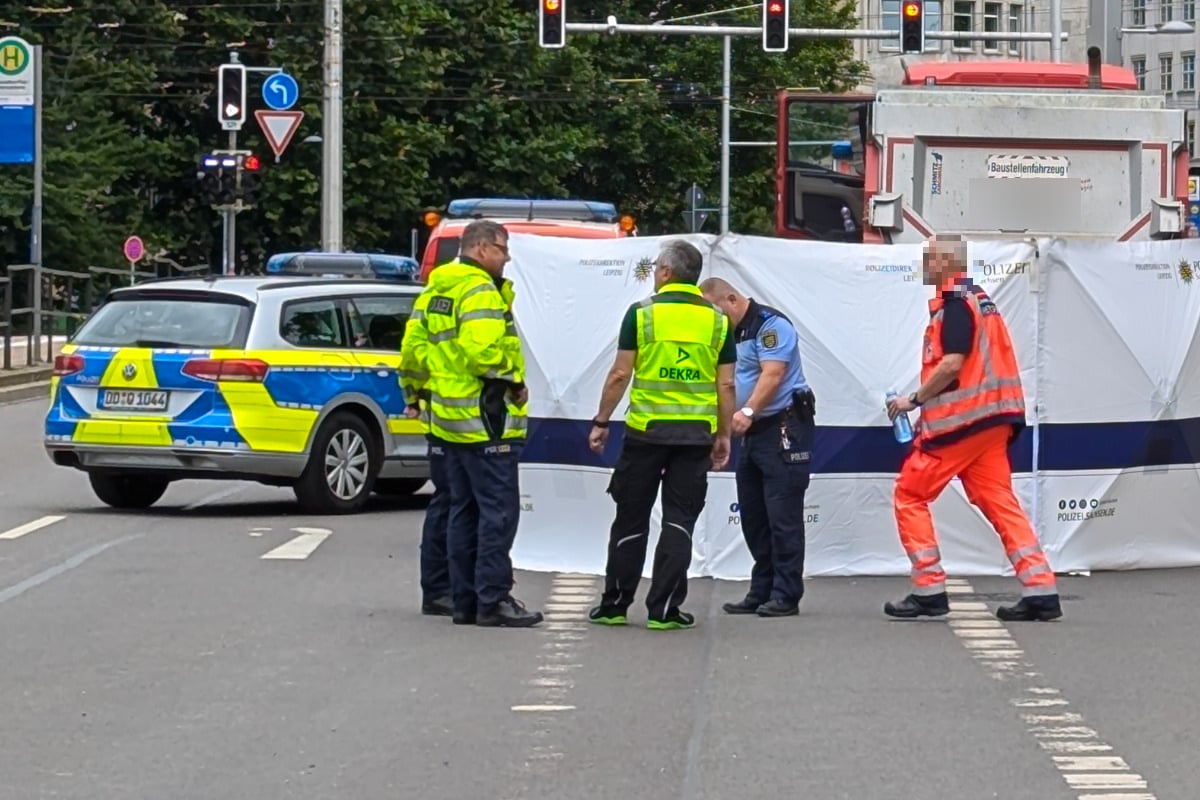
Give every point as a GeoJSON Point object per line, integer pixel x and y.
{"type": "Point", "coordinates": [197, 322]}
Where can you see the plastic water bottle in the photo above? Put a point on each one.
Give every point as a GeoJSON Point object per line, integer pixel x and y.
{"type": "Point", "coordinates": [901, 427]}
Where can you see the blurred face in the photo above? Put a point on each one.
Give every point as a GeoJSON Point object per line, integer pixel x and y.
{"type": "Point", "coordinates": [939, 262]}
{"type": "Point", "coordinates": [494, 255]}
{"type": "Point", "coordinates": [723, 302]}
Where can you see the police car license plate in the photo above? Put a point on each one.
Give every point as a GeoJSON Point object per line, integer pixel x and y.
{"type": "Point", "coordinates": [133, 400]}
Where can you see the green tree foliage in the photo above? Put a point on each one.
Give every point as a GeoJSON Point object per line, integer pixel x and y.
{"type": "Point", "coordinates": [443, 99]}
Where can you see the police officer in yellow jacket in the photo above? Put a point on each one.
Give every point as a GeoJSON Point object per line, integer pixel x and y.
{"type": "Point", "coordinates": [478, 409]}
{"type": "Point", "coordinates": [679, 352]}
{"type": "Point", "coordinates": [414, 381]}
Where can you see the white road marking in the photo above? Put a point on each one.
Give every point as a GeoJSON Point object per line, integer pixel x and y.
{"type": "Point", "coordinates": [543, 708]}
{"type": "Point", "coordinates": [301, 547]}
{"type": "Point", "coordinates": [30, 527]}
{"type": "Point", "coordinates": [1059, 732]}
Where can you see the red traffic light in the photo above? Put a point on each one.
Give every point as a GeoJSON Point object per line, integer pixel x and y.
{"type": "Point", "coordinates": [252, 163]}
{"type": "Point", "coordinates": [912, 10]}
{"type": "Point", "coordinates": [775, 7]}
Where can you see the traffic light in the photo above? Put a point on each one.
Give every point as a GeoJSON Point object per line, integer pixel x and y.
{"type": "Point", "coordinates": [231, 96]}
{"type": "Point", "coordinates": [912, 27]}
{"type": "Point", "coordinates": [249, 179]}
{"type": "Point", "coordinates": [552, 23]}
{"type": "Point", "coordinates": [775, 26]}
{"type": "Point", "coordinates": [218, 178]}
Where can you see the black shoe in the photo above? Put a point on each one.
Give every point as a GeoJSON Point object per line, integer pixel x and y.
{"type": "Point", "coordinates": [778, 608]}
{"type": "Point", "coordinates": [438, 607]}
{"type": "Point", "coordinates": [674, 621]}
{"type": "Point", "coordinates": [932, 605]}
{"type": "Point", "coordinates": [1040, 608]}
{"type": "Point", "coordinates": [748, 605]}
{"type": "Point", "coordinates": [464, 617]}
{"type": "Point", "coordinates": [508, 613]}
{"type": "Point", "coordinates": [607, 615]}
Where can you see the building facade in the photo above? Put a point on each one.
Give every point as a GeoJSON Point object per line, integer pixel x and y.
{"type": "Point", "coordinates": [1164, 63]}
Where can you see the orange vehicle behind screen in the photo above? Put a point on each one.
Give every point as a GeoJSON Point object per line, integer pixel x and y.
{"type": "Point", "coordinates": [580, 219]}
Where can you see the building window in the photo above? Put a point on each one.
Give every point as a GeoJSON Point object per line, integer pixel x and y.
{"type": "Point", "coordinates": [1166, 10]}
{"type": "Point", "coordinates": [1139, 14]}
{"type": "Point", "coordinates": [964, 22]}
{"type": "Point", "coordinates": [1191, 137]}
{"type": "Point", "coordinates": [1188, 66]}
{"type": "Point", "coordinates": [1139, 69]}
{"type": "Point", "coordinates": [1014, 26]}
{"type": "Point", "coordinates": [1189, 10]}
{"type": "Point", "coordinates": [1166, 68]}
{"type": "Point", "coordinates": [889, 17]}
{"type": "Point", "coordinates": [992, 13]}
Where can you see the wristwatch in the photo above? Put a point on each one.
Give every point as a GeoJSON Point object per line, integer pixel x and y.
{"type": "Point", "coordinates": [597, 423]}
{"type": "Point", "coordinates": [912, 398]}
{"type": "Point", "coordinates": [747, 412]}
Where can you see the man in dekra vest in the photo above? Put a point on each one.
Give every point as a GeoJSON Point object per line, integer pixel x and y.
{"type": "Point", "coordinates": [477, 404]}
{"type": "Point", "coordinates": [972, 407]}
{"type": "Point", "coordinates": [679, 352]}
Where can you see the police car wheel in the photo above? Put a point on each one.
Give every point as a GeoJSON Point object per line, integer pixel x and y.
{"type": "Point", "coordinates": [399, 487]}
{"type": "Point", "coordinates": [127, 491]}
{"type": "Point", "coordinates": [341, 467]}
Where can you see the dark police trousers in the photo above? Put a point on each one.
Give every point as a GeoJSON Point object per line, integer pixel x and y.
{"type": "Point", "coordinates": [485, 507]}
{"type": "Point", "coordinates": [683, 473]}
{"type": "Point", "coordinates": [435, 568]}
{"type": "Point", "coordinates": [773, 471]}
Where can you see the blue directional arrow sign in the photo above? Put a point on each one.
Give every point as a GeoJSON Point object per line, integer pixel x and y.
{"type": "Point", "coordinates": [280, 91]}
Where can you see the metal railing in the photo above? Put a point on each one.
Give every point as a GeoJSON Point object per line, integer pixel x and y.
{"type": "Point", "coordinates": [67, 298]}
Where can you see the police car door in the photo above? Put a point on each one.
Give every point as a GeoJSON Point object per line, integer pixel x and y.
{"type": "Point", "coordinates": [377, 323]}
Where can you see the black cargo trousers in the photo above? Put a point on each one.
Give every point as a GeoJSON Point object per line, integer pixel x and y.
{"type": "Point", "coordinates": [682, 472]}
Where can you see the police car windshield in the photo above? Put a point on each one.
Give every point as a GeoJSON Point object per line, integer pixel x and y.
{"type": "Point", "coordinates": [188, 322]}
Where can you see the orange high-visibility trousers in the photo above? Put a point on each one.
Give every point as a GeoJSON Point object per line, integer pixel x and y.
{"type": "Point", "coordinates": [981, 462]}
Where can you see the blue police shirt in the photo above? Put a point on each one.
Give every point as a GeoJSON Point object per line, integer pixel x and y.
{"type": "Point", "coordinates": [765, 334]}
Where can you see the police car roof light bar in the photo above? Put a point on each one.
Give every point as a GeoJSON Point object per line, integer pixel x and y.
{"type": "Point", "coordinates": [529, 209]}
{"type": "Point", "coordinates": [345, 265]}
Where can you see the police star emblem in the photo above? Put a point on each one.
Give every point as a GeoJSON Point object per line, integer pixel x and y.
{"type": "Point", "coordinates": [643, 269]}
{"type": "Point", "coordinates": [769, 339]}
{"type": "Point", "coordinates": [1186, 271]}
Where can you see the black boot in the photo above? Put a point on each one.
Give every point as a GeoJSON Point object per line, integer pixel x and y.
{"type": "Point", "coordinates": [508, 613]}
{"type": "Point", "coordinates": [438, 607]}
{"type": "Point", "coordinates": [778, 608]}
{"type": "Point", "coordinates": [748, 605]}
{"type": "Point", "coordinates": [1038, 608]}
{"type": "Point", "coordinates": [931, 605]}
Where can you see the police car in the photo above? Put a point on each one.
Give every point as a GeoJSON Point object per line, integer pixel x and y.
{"type": "Point", "coordinates": [289, 378]}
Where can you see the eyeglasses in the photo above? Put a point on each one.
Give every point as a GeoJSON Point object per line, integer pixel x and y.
{"type": "Point", "coordinates": [503, 248]}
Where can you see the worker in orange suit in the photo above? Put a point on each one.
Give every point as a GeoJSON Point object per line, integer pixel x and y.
{"type": "Point", "coordinates": [972, 407]}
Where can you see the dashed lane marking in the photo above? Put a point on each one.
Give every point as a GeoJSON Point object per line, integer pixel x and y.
{"type": "Point", "coordinates": [30, 527]}
{"type": "Point", "coordinates": [301, 547]}
{"type": "Point", "coordinates": [547, 693]}
{"type": "Point", "coordinates": [1072, 745]}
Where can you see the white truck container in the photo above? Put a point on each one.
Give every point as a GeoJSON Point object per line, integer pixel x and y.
{"type": "Point", "coordinates": [988, 150]}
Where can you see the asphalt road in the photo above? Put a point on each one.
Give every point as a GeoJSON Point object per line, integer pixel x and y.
{"type": "Point", "coordinates": [160, 655]}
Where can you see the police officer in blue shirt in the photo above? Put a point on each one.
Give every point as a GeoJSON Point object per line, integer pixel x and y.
{"type": "Point", "coordinates": [775, 418]}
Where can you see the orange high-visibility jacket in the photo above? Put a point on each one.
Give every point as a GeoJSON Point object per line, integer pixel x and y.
{"type": "Point", "coordinates": [989, 385]}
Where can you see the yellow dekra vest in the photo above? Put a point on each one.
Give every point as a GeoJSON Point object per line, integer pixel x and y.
{"type": "Point", "coordinates": [675, 370]}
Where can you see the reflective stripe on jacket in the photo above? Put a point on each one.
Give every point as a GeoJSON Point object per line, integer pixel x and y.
{"type": "Point", "coordinates": [989, 384]}
{"type": "Point", "coordinates": [675, 370]}
{"type": "Point", "coordinates": [414, 376]}
{"type": "Point", "coordinates": [473, 357]}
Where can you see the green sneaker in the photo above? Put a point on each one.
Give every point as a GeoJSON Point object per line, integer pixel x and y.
{"type": "Point", "coordinates": [675, 620]}
{"type": "Point", "coordinates": [607, 616]}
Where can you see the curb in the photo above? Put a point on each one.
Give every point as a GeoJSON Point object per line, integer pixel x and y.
{"type": "Point", "coordinates": [24, 391]}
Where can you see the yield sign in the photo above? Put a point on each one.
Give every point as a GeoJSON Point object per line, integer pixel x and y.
{"type": "Point", "coordinates": [279, 127]}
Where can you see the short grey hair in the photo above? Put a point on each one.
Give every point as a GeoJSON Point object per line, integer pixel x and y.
{"type": "Point", "coordinates": [683, 259]}
{"type": "Point", "coordinates": [480, 232]}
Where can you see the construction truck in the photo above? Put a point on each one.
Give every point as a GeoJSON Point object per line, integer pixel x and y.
{"type": "Point", "coordinates": [991, 150]}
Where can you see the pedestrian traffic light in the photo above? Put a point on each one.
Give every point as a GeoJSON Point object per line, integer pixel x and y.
{"type": "Point", "coordinates": [775, 26]}
{"type": "Point", "coordinates": [231, 96]}
{"type": "Point", "coordinates": [218, 178]}
{"type": "Point", "coordinates": [552, 23]}
{"type": "Point", "coordinates": [912, 27]}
